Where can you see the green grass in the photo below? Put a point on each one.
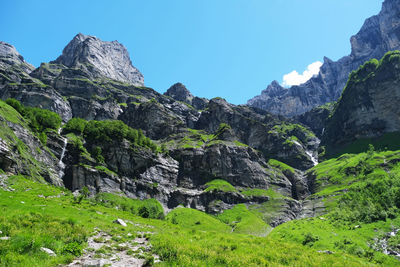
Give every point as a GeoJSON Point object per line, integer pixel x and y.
{"type": "Point", "coordinates": [190, 139]}
{"type": "Point", "coordinates": [105, 170]}
{"type": "Point", "coordinates": [361, 193]}
{"type": "Point", "coordinates": [388, 141]}
{"type": "Point", "coordinates": [9, 113]}
{"type": "Point", "coordinates": [196, 220]}
{"type": "Point", "coordinates": [323, 234]}
{"type": "Point", "coordinates": [36, 215]}
{"type": "Point", "coordinates": [149, 208]}
{"type": "Point", "coordinates": [287, 130]}
{"type": "Point", "coordinates": [244, 221]}
{"type": "Point", "coordinates": [281, 166]}
{"type": "Point", "coordinates": [261, 193]}
{"type": "Point", "coordinates": [219, 185]}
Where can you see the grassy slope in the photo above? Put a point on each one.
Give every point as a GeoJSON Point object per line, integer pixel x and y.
{"type": "Point", "coordinates": [57, 221]}
{"type": "Point", "coordinates": [361, 193]}
{"type": "Point", "coordinates": [192, 238]}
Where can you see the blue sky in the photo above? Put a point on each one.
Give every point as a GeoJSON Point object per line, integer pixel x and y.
{"type": "Point", "coordinates": [227, 48]}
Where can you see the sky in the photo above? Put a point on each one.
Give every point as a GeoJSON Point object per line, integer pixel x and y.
{"type": "Point", "coordinates": [227, 48]}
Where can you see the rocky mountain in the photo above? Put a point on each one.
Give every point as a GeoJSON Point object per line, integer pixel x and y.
{"type": "Point", "coordinates": [378, 35]}
{"type": "Point", "coordinates": [185, 144]}
{"type": "Point", "coordinates": [98, 170]}
{"type": "Point", "coordinates": [368, 105]}
{"type": "Point", "coordinates": [100, 58]}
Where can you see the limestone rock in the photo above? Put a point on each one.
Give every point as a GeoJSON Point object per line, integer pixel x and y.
{"type": "Point", "coordinates": [100, 58]}
{"type": "Point", "coordinates": [121, 222]}
{"type": "Point", "coordinates": [48, 251]}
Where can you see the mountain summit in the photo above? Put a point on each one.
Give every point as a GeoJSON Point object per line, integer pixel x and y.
{"type": "Point", "coordinates": [378, 35]}
{"type": "Point", "coordinates": [101, 58]}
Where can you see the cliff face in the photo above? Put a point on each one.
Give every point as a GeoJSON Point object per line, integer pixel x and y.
{"type": "Point", "coordinates": [100, 58]}
{"type": "Point", "coordinates": [378, 35]}
{"type": "Point", "coordinates": [368, 106]}
{"type": "Point", "coordinates": [198, 140]}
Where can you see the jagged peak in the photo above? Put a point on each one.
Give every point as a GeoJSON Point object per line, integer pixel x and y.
{"type": "Point", "coordinates": [100, 58]}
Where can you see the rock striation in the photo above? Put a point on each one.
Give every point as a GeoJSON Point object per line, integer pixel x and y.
{"type": "Point", "coordinates": [16, 82]}
{"type": "Point", "coordinates": [378, 35]}
{"type": "Point", "coordinates": [369, 103]}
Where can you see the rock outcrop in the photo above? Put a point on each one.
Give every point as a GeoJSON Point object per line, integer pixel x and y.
{"type": "Point", "coordinates": [16, 82]}
{"type": "Point", "coordinates": [378, 35]}
{"type": "Point", "coordinates": [368, 106]}
{"type": "Point", "coordinates": [21, 152]}
{"type": "Point", "coordinates": [100, 59]}
{"type": "Point", "coordinates": [179, 92]}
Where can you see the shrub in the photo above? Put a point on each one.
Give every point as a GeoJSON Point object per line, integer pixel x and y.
{"type": "Point", "coordinates": [42, 119]}
{"type": "Point", "coordinates": [39, 119]}
{"type": "Point", "coordinates": [309, 239]}
{"type": "Point", "coordinates": [73, 248]}
{"type": "Point", "coordinates": [16, 105]}
{"type": "Point", "coordinates": [75, 125]}
{"type": "Point", "coordinates": [109, 130]}
{"type": "Point", "coordinates": [143, 212]}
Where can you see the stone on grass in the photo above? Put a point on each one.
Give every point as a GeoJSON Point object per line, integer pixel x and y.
{"type": "Point", "coordinates": [48, 251]}
{"type": "Point", "coordinates": [121, 222]}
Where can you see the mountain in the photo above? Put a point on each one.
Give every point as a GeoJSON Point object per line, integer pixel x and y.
{"type": "Point", "coordinates": [368, 108]}
{"type": "Point", "coordinates": [185, 144]}
{"type": "Point", "coordinates": [98, 170]}
{"type": "Point", "coordinates": [100, 58]}
{"type": "Point", "coordinates": [378, 35]}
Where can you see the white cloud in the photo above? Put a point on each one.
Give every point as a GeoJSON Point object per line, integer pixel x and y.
{"type": "Point", "coordinates": [294, 78]}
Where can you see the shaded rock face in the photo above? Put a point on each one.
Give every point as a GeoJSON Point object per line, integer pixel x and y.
{"type": "Point", "coordinates": [100, 58]}
{"type": "Point", "coordinates": [378, 35]}
{"type": "Point", "coordinates": [9, 56]}
{"type": "Point", "coordinates": [240, 166]}
{"type": "Point", "coordinates": [369, 104]}
{"type": "Point", "coordinates": [180, 179]}
{"type": "Point", "coordinates": [316, 118]}
{"type": "Point", "coordinates": [23, 153]}
{"type": "Point", "coordinates": [179, 92]}
{"type": "Point", "coordinates": [15, 82]}
{"type": "Point", "coordinates": [255, 128]}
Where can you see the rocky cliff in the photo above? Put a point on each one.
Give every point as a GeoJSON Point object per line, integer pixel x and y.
{"type": "Point", "coordinates": [368, 105]}
{"type": "Point", "coordinates": [197, 143]}
{"type": "Point", "coordinates": [378, 35]}
{"type": "Point", "coordinates": [100, 58]}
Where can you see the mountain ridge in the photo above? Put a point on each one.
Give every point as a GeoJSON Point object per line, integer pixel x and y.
{"type": "Point", "coordinates": [378, 35]}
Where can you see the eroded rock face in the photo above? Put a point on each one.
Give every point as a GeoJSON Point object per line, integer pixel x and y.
{"type": "Point", "coordinates": [256, 129]}
{"type": "Point", "coordinates": [100, 58]}
{"type": "Point", "coordinates": [22, 153]}
{"type": "Point", "coordinates": [369, 104]}
{"type": "Point", "coordinates": [9, 56]}
{"type": "Point", "coordinates": [15, 82]}
{"type": "Point", "coordinates": [378, 35]}
{"type": "Point", "coordinates": [317, 118]}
